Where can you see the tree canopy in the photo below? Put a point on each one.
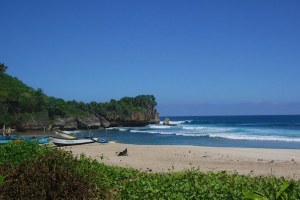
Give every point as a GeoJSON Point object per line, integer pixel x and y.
{"type": "Point", "coordinates": [3, 68]}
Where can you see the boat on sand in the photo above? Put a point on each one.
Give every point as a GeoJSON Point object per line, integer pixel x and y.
{"type": "Point", "coordinates": [67, 142]}
{"type": "Point", "coordinates": [99, 140]}
{"type": "Point", "coordinates": [65, 135]}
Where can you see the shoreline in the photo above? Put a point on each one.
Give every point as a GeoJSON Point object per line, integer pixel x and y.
{"type": "Point", "coordinates": [173, 158]}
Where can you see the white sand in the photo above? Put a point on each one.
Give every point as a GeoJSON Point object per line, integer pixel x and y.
{"type": "Point", "coordinates": [156, 158]}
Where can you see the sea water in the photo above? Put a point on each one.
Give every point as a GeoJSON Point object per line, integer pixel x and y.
{"type": "Point", "coordinates": [221, 131]}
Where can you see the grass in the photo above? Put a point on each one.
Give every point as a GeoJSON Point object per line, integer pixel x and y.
{"type": "Point", "coordinates": [26, 164]}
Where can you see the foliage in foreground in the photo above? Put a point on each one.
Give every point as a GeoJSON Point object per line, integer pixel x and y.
{"type": "Point", "coordinates": [281, 194]}
{"type": "Point", "coordinates": [53, 169]}
{"type": "Point", "coordinates": [13, 154]}
{"type": "Point", "coordinates": [51, 176]}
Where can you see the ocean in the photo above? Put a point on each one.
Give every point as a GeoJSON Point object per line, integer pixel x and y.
{"type": "Point", "coordinates": [221, 131]}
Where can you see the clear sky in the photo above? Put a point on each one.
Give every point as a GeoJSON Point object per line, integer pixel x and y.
{"type": "Point", "coordinates": [197, 57]}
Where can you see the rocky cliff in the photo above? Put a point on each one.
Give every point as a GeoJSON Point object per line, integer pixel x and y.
{"type": "Point", "coordinates": [89, 122]}
{"type": "Point", "coordinates": [25, 108]}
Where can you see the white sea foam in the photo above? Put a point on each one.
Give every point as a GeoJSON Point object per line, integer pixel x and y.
{"type": "Point", "coordinates": [194, 128]}
{"type": "Point", "coordinates": [117, 128]}
{"type": "Point", "coordinates": [256, 137]}
{"type": "Point", "coordinates": [159, 126]}
{"type": "Point", "coordinates": [153, 132]}
{"type": "Point", "coordinates": [177, 122]}
{"type": "Point", "coordinates": [221, 132]}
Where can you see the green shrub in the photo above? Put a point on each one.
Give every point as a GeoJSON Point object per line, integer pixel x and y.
{"type": "Point", "coordinates": [50, 176]}
{"type": "Point", "coordinates": [15, 153]}
{"type": "Point", "coordinates": [37, 172]}
{"type": "Point", "coordinates": [198, 185]}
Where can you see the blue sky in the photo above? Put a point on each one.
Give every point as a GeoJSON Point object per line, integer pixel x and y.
{"type": "Point", "coordinates": [197, 57]}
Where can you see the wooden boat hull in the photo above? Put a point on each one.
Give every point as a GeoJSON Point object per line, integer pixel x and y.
{"type": "Point", "coordinates": [67, 142]}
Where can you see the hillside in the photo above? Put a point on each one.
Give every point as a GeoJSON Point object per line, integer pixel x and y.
{"type": "Point", "coordinates": [25, 108]}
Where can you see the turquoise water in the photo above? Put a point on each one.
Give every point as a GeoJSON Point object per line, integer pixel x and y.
{"type": "Point", "coordinates": [222, 131]}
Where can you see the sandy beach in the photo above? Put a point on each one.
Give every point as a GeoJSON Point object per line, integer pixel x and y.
{"type": "Point", "coordinates": [170, 158]}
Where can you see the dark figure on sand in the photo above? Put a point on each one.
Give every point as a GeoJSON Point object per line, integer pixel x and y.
{"type": "Point", "coordinates": [123, 153]}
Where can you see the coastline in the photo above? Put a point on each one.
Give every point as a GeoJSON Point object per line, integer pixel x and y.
{"type": "Point", "coordinates": [173, 158]}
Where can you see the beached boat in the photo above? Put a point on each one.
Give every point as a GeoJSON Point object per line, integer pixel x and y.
{"type": "Point", "coordinates": [12, 138]}
{"type": "Point", "coordinates": [99, 140]}
{"type": "Point", "coordinates": [39, 140]}
{"type": "Point", "coordinates": [65, 142]}
{"type": "Point", "coordinates": [5, 141]}
{"type": "Point", "coordinates": [65, 135]}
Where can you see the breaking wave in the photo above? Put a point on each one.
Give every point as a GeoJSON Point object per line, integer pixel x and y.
{"type": "Point", "coordinates": [233, 133]}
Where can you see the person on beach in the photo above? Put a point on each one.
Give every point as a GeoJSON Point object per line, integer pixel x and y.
{"type": "Point", "coordinates": [3, 130]}
{"type": "Point", "coordinates": [8, 132]}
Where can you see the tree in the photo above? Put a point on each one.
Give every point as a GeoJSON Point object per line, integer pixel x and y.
{"type": "Point", "coordinates": [3, 68]}
{"type": "Point", "coordinates": [40, 99]}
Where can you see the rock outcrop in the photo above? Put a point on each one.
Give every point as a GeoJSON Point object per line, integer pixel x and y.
{"type": "Point", "coordinates": [69, 123]}
{"type": "Point", "coordinates": [154, 119]}
{"type": "Point", "coordinates": [88, 122]}
{"type": "Point", "coordinates": [136, 119]}
{"type": "Point", "coordinates": [166, 121]}
{"type": "Point", "coordinates": [103, 121]}
{"type": "Point", "coordinates": [37, 122]}
{"type": "Point", "coordinates": [32, 125]}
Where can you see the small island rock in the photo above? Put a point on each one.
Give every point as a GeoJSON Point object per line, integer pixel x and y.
{"type": "Point", "coordinates": [166, 121]}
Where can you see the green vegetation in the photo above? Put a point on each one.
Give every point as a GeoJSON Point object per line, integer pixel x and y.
{"type": "Point", "coordinates": [281, 194]}
{"type": "Point", "coordinates": [56, 174]}
{"type": "Point", "coordinates": [3, 68]}
{"type": "Point", "coordinates": [19, 103]}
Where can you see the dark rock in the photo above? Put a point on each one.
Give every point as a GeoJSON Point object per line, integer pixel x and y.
{"type": "Point", "coordinates": [69, 123]}
{"type": "Point", "coordinates": [135, 118]}
{"type": "Point", "coordinates": [32, 125]}
{"type": "Point", "coordinates": [33, 122]}
{"type": "Point", "coordinates": [88, 122]}
{"type": "Point", "coordinates": [59, 122]}
{"type": "Point", "coordinates": [155, 119]}
{"type": "Point", "coordinates": [103, 121]}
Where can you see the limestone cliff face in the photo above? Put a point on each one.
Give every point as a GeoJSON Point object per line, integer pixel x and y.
{"type": "Point", "coordinates": [69, 123]}
{"type": "Point", "coordinates": [97, 121]}
{"type": "Point", "coordinates": [90, 122]}
{"type": "Point", "coordinates": [75, 123]}
{"type": "Point", "coordinates": [135, 119]}
{"type": "Point", "coordinates": [38, 122]}
{"type": "Point", "coordinates": [33, 125]}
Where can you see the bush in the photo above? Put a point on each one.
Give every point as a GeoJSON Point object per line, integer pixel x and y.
{"type": "Point", "coordinates": [13, 154]}
{"type": "Point", "coordinates": [50, 176]}
{"type": "Point", "coordinates": [30, 171]}
{"type": "Point", "coordinates": [199, 185]}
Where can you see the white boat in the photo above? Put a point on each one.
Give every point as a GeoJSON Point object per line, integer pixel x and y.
{"type": "Point", "coordinates": [65, 135]}
{"type": "Point", "coordinates": [65, 142]}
